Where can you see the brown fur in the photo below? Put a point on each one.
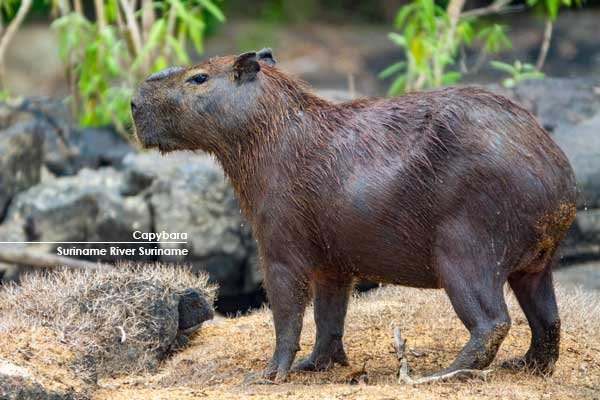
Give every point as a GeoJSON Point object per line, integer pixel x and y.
{"type": "Point", "coordinates": [457, 188]}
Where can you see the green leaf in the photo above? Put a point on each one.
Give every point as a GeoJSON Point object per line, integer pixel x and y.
{"type": "Point", "coordinates": [531, 75]}
{"type": "Point", "coordinates": [392, 69]}
{"type": "Point", "coordinates": [552, 8]}
{"type": "Point", "coordinates": [180, 52]}
{"type": "Point", "coordinates": [429, 15]}
{"type": "Point", "coordinates": [397, 39]}
{"type": "Point", "coordinates": [509, 83]}
{"type": "Point", "coordinates": [450, 77]}
{"type": "Point", "coordinates": [213, 9]}
{"type": "Point", "coordinates": [402, 15]}
{"type": "Point", "coordinates": [503, 66]}
{"type": "Point", "coordinates": [397, 86]}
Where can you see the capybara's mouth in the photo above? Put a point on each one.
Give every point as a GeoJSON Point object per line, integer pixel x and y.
{"type": "Point", "coordinates": [148, 139]}
{"type": "Point", "coordinates": [155, 141]}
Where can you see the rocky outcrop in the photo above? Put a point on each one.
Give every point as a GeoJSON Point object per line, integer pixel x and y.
{"type": "Point", "coordinates": [581, 144]}
{"type": "Point", "coordinates": [21, 145]}
{"type": "Point", "coordinates": [87, 207]}
{"type": "Point", "coordinates": [182, 193]}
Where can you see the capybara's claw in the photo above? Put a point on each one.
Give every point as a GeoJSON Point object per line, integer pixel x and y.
{"type": "Point", "coordinates": [259, 378]}
{"type": "Point", "coordinates": [306, 364]}
{"type": "Point", "coordinates": [528, 365]}
{"type": "Point", "coordinates": [516, 364]}
{"type": "Point", "coordinates": [321, 363]}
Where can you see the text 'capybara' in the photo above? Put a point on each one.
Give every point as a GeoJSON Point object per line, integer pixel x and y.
{"type": "Point", "coordinates": [457, 188]}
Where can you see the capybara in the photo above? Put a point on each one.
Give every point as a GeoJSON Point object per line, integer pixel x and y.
{"type": "Point", "coordinates": [457, 188]}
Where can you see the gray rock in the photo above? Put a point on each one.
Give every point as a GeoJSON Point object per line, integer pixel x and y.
{"type": "Point", "coordinates": [67, 148]}
{"type": "Point", "coordinates": [559, 101]}
{"type": "Point", "coordinates": [12, 233]}
{"type": "Point", "coordinates": [87, 147]}
{"type": "Point", "coordinates": [84, 207]}
{"type": "Point", "coordinates": [556, 102]}
{"type": "Point", "coordinates": [581, 144]}
{"type": "Point", "coordinates": [21, 149]}
{"type": "Point", "coordinates": [583, 240]}
{"type": "Point", "coordinates": [193, 309]}
{"type": "Point", "coordinates": [188, 193]}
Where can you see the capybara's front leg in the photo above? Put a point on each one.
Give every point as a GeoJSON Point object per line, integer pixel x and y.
{"type": "Point", "coordinates": [330, 302]}
{"type": "Point", "coordinates": [287, 291]}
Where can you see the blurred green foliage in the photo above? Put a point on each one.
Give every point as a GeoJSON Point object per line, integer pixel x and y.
{"type": "Point", "coordinates": [107, 57]}
{"type": "Point", "coordinates": [430, 42]}
{"type": "Point", "coordinates": [517, 72]}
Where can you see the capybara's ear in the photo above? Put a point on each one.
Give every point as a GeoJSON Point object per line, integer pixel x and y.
{"type": "Point", "coordinates": [245, 67]}
{"type": "Point", "coordinates": [266, 55]}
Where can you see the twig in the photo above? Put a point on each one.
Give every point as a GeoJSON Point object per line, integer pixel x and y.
{"type": "Point", "coordinates": [42, 260]}
{"type": "Point", "coordinates": [171, 25]}
{"type": "Point", "coordinates": [100, 15]}
{"type": "Point", "coordinates": [78, 7]}
{"type": "Point", "coordinates": [497, 7]}
{"type": "Point", "coordinates": [123, 335]}
{"type": "Point", "coordinates": [132, 26]}
{"type": "Point", "coordinates": [351, 86]}
{"type": "Point", "coordinates": [10, 31]}
{"type": "Point", "coordinates": [148, 17]}
{"type": "Point", "coordinates": [545, 45]}
{"type": "Point", "coordinates": [453, 11]}
{"type": "Point", "coordinates": [403, 377]}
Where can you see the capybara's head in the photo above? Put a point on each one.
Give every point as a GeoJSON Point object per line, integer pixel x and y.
{"type": "Point", "coordinates": [200, 107]}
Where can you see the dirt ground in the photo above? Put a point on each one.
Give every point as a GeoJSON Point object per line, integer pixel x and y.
{"type": "Point", "coordinates": [225, 350]}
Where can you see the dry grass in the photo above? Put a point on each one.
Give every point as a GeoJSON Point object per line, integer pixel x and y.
{"type": "Point", "coordinates": [224, 351]}
{"type": "Point", "coordinates": [71, 327]}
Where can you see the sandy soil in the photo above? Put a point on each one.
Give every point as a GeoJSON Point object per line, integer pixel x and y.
{"type": "Point", "coordinates": [219, 356]}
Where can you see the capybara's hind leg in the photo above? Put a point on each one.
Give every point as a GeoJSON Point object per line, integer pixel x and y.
{"type": "Point", "coordinates": [330, 303]}
{"type": "Point", "coordinates": [474, 283]}
{"type": "Point", "coordinates": [535, 294]}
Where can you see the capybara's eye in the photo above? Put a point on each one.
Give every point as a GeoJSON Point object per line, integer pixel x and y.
{"type": "Point", "coordinates": [198, 79]}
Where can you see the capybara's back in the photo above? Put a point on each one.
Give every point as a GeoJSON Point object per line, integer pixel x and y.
{"type": "Point", "coordinates": [457, 189]}
{"type": "Point", "coordinates": [405, 170]}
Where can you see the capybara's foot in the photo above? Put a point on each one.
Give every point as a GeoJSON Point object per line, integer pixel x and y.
{"type": "Point", "coordinates": [275, 373]}
{"type": "Point", "coordinates": [542, 366]}
{"type": "Point", "coordinates": [322, 362]}
{"type": "Point", "coordinates": [263, 377]}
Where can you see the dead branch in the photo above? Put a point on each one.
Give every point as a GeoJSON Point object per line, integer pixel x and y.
{"type": "Point", "coordinates": [43, 260]}
{"type": "Point", "coordinates": [403, 377]}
